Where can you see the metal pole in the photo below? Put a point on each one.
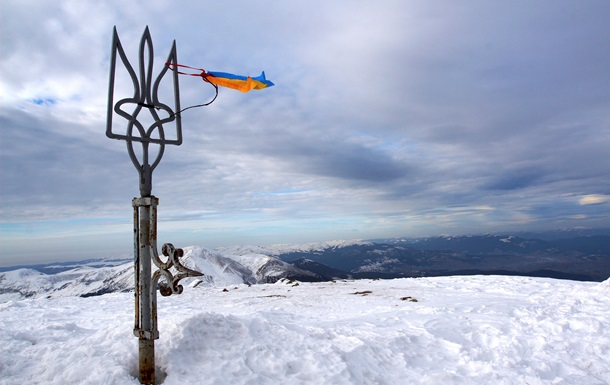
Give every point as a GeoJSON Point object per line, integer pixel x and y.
{"type": "Point", "coordinates": [145, 98]}
{"type": "Point", "coordinates": [146, 343]}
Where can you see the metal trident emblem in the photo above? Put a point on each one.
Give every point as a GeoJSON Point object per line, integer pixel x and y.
{"type": "Point", "coordinates": [145, 98]}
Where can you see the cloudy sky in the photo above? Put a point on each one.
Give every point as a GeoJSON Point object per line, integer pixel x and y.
{"type": "Point", "coordinates": [388, 118]}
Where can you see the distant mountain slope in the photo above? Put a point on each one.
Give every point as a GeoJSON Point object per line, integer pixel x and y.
{"type": "Point", "coordinates": [98, 277]}
{"type": "Point", "coordinates": [284, 248]}
{"type": "Point", "coordinates": [585, 258]}
{"type": "Point", "coordinates": [326, 272]}
{"type": "Point", "coordinates": [486, 244]}
{"type": "Point", "coordinates": [80, 281]}
{"type": "Point", "coordinates": [225, 269]}
{"type": "Point", "coordinates": [490, 244]}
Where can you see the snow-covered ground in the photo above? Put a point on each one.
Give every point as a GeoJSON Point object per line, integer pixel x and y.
{"type": "Point", "coordinates": [446, 330]}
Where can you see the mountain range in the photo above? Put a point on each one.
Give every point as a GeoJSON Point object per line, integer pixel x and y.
{"type": "Point", "coordinates": [580, 257]}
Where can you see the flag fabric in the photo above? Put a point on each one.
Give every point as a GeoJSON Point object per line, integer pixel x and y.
{"type": "Point", "coordinates": [225, 79]}
{"type": "Point", "coordinates": [237, 82]}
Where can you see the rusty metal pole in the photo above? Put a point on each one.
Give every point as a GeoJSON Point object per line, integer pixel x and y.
{"type": "Point", "coordinates": [145, 98]}
{"type": "Point", "coordinates": [144, 326]}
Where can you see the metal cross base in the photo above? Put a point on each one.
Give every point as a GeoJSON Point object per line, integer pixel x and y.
{"type": "Point", "coordinates": [145, 242]}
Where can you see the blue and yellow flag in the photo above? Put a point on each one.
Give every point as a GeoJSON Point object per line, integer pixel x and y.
{"type": "Point", "coordinates": [237, 82]}
{"type": "Point", "coordinates": [225, 79]}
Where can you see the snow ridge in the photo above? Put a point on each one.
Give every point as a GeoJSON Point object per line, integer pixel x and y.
{"type": "Point", "coordinates": [220, 269]}
{"type": "Point", "coordinates": [80, 281]}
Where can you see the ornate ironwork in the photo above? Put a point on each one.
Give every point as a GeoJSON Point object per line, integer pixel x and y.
{"type": "Point", "coordinates": [145, 97]}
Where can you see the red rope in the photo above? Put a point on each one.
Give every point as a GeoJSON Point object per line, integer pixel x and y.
{"type": "Point", "coordinates": [203, 76]}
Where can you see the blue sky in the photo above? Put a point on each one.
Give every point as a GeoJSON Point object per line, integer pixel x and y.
{"type": "Point", "coordinates": [392, 118]}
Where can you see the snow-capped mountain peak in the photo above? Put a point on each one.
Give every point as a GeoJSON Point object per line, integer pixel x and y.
{"type": "Point", "coordinates": [219, 269]}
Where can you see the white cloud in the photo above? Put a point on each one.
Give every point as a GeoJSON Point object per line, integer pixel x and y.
{"type": "Point", "coordinates": [376, 110]}
{"type": "Point", "coordinates": [594, 199]}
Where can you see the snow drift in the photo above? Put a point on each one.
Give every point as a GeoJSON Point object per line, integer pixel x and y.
{"type": "Point", "coordinates": [451, 330]}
